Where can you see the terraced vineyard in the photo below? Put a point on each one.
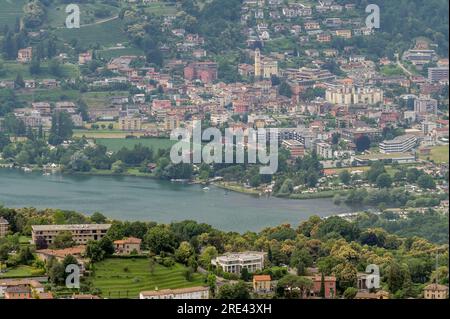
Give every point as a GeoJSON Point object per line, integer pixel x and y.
{"type": "Point", "coordinates": [125, 277]}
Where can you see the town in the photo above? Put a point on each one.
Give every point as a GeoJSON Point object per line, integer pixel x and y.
{"type": "Point", "coordinates": [360, 115]}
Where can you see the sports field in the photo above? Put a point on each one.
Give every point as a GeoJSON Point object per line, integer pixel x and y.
{"type": "Point", "coordinates": [115, 144]}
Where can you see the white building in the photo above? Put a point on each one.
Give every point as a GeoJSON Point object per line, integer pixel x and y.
{"type": "Point", "coordinates": [182, 293]}
{"type": "Point", "coordinates": [324, 150]}
{"type": "Point", "coordinates": [400, 144]}
{"type": "Point", "coordinates": [235, 262]}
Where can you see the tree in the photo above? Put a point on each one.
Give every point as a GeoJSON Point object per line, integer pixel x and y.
{"type": "Point", "coordinates": [426, 182]}
{"type": "Point", "coordinates": [345, 177]}
{"type": "Point", "coordinates": [56, 272]}
{"type": "Point", "coordinates": [62, 128]}
{"type": "Point", "coordinates": [234, 291]}
{"type": "Point", "coordinates": [35, 67]}
{"type": "Point", "coordinates": [362, 143]}
{"type": "Point", "coordinates": [207, 255]}
{"type": "Point", "coordinates": [322, 286]}
{"type": "Point", "coordinates": [285, 90]}
{"type": "Point", "coordinates": [69, 260]}
{"type": "Point", "coordinates": [294, 287]}
{"type": "Point", "coordinates": [245, 274]}
{"type": "Point", "coordinates": [94, 251]}
{"type": "Point", "coordinates": [118, 167]}
{"type": "Point", "coordinates": [98, 218]}
{"type": "Point", "coordinates": [4, 140]}
{"type": "Point", "coordinates": [384, 181]}
{"type": "Point", "coordinates": [63, 240]}
{"type": "Point", "coordinates": [25, 255]}
{"type": "Point", "coordinates": [19, 81]}
{"type": "Point", "coordinates": [160, 239]}
{"type": "Point", "coordinates": [184, 252]}
{"type": "Point", "coordinates": [350, 293]}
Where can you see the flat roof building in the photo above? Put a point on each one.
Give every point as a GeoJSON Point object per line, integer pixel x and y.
{"type": "Point", "coordinates": [81, 234]}
{"type": "Point", "coordinates": [182, 293]}
{"type": "Point", "coordinates": [400, 144]}
{"type": "Point", "coordinates": [235, 262]}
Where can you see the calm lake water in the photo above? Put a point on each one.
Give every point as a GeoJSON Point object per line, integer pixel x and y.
{"type": "Point", "coordinates": [134, 198]}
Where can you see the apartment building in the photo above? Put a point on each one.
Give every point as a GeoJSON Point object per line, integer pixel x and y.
{"type": "Point", "coordinates": [25, 55]}
{"type": "Point", "coordinates": [235, 262]}
{"type": "Point", "coordinates": [438, 74]}
{"type": "Point", "coordinates": [81, 234]}
{"type": "Point", "coordinates": [130, 123]}
{"type": "Point", "coordinates": [296, 148]}
{"type": "Point", "coordinates": [4, 227]}
{"type": "Point", "coordinates": [324, 150]}
{"type": "Point", "coordinates": [183, 293]}
{"type": "Point", "coordinates": [400, 144]}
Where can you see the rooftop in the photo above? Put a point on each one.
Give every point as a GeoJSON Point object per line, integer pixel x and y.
{"type": "Point", "coordinates": [71, 227]}
{"type": "Point", "coordinates": [173, 291]}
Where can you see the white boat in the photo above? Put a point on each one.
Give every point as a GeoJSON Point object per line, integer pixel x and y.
{"type": "Point", "coordinates": [206, 188]}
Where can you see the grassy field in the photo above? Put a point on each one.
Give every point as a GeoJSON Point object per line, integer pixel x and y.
{"type": "Point", "coordinates": [56, 14]}
{"type": "Point", "coordinates": [104, 134]}
{"type": "Point", "coordinates": [116, 144]}
{"type": "Point", "coordinates": [439, 154]}
{"type": "Point", "coordinates": [105, 34]}
{"type": "Point", "coordinates": [116, 52]}
{"type": "Point", "coordinates": [391, 70]}
{"type": "Point", "coordinates": [160, 9]}
{"type": "Point", "coordinates": [100, 99]}
{"type": "Point", "coordinates": [20, 271]}
{"type": "Point", "coordinates": [12, 69]}
{"type": "Point", "coordinates": [10, 10]}
{"type": "Point", "coordinates": [125, 278]}
{"type": "Point", "coordinates": [53, 95]}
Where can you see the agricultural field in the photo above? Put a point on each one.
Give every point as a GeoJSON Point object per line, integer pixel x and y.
{"type": "Point", "coordinates": [115, 144]}
{"type": "Point", "coordinates": [127, 277]}
{"type": "Point", "coordinates": [10, 10]}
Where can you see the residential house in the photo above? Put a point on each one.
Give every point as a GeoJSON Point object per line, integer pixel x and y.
{"type": "Point", "coordinates": [127, 246]}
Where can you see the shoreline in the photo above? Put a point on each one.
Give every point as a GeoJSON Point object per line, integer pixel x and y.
{"type": "Point", "coordinates": [133, 172]}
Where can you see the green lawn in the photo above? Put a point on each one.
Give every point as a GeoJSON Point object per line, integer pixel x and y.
{"type": "Point", "coordinates": [100, 99]}
{"type": "Point", "coordinates": [391, 70]}
{"type": "Point", "coordinates": [105, 34]}
{"type": "Point", "coordinates": [56, 14]}
{"type": "Point", "coordinates": [20, 271]}
{"type": "Point", "coordinates": [114, 53]}
{"type": "Point", "coordinates": [13, 68]}
{"type": "Point", "coordinates": [53, 95]}
{"type": "Point", "coordinates": [125, 278]}
{"type": "Point", "coordinates": [439, 154]}
{"type": "Point", "coordinates": [115, 144]}
{"type": "Point", "coordinates": [10, 10]}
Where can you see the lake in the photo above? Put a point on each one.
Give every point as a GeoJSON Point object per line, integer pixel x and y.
{"type": "Point", "coordinates": [136, 198]}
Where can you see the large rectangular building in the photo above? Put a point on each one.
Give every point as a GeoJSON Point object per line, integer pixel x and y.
{"type": "Point", "coordinates": [400, 144]}
{"type": "Point", "coordinates": [4, 227]}
{"type": "Point", "coordinates": [438, 74]}
{"type": "Point", "coordinates": [235, 262]}
{"type": "Point", "coordinates": [81, 234]}
{"type": "Point", "coordinates": [182, 293]}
